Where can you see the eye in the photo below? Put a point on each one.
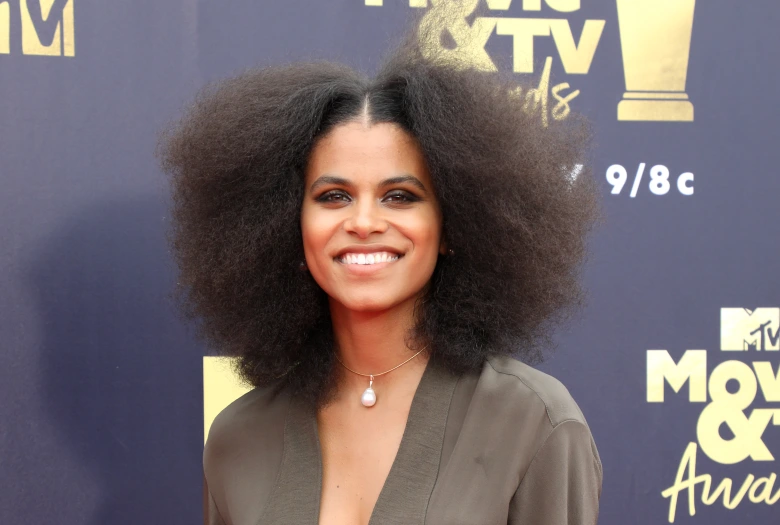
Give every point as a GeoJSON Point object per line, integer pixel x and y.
{"type": "Point", "coordinates": [333, 196]}
{"type": "Point", "coordinates": [400, 197]}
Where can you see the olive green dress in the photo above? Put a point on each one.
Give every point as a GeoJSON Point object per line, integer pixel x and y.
{"type": "Point", "coordinates": [507, 445]}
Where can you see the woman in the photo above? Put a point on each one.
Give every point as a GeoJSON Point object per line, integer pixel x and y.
{"type": "Point", "coordinates": [375, 251]}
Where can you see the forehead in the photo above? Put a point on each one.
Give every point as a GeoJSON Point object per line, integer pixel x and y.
{"type": "Point", "coordinates": [367, 152]}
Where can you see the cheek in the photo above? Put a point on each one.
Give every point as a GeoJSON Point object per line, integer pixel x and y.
{"type": "Point", "coordinates": [312, 233]}
{"type": "Point", "coordinates": [317, 231]}
{"type": "Point", "coordinates": [425, 234]}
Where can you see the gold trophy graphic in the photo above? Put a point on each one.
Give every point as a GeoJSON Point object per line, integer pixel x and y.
{"type": "Point", "coordinates": [655, 36]}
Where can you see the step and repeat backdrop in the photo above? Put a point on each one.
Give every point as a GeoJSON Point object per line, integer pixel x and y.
{"type": "Point", "coordinates": [106, 394]}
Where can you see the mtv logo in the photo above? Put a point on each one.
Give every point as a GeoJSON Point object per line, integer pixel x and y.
{"type": "Point", "coordinates": [46, 27]}
{"type": "Point", "coordinates": [742, 329]}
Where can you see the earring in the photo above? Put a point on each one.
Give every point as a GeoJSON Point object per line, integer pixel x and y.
{"type": "Point", "coordinates": [450, 251]}
{"type": "Point", "coordinates": [302, 266]}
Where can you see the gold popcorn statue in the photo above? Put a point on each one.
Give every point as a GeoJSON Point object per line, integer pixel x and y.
{"type": "Point", "coordinates": [655, 36]}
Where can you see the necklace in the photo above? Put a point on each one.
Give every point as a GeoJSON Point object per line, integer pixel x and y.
{"type": "Point", "coordinates": [369, 396]}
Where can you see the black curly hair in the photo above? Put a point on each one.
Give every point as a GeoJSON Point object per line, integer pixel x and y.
{"type": "Point", "coordinates": [513, 214]}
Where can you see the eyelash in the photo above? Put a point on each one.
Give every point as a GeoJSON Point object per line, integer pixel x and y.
{"type": "Point", "coordinates": [407, 197]}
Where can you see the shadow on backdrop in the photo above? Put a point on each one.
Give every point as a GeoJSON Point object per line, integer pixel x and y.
{"type": "Point", "coordinates": [121, 377]}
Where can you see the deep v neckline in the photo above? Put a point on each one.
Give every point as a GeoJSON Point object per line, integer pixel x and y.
{"type": "Point", "coordinates": [412, 476]}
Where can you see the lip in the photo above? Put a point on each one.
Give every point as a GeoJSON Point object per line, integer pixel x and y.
{"type": "Point", "coordinates": [365, 269]}
{"type": "Point", "coordinates": [368, 248]}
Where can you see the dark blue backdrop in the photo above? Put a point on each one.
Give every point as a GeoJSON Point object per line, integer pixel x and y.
{"type": "Point", "coordinates": [101, 384]}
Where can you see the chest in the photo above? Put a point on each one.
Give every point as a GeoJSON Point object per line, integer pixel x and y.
{"type": "Point", "coordinates": [358, 451]}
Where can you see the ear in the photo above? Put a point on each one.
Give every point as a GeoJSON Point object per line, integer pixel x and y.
{"type": "Point", "coordinates": [443, 247]}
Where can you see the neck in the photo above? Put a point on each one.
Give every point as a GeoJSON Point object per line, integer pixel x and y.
{"type": "Point", "coordinates": [374, 342]}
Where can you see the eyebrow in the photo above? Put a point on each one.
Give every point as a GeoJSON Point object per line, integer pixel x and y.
{"type": "Point", "coordinates": [340, 181]}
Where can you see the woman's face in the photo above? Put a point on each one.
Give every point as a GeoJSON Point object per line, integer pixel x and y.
{"type": "Point", "coordinates": [372, 227]}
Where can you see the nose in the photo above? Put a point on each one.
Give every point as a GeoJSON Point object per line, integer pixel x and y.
{"type": "Point", "coordinates": [365, 218]}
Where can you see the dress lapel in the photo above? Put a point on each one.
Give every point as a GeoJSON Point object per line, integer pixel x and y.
{"type": "Point", "coordinates": [405, 494]}
{"type": "Point", "coordinates": [296, 496]}
{"type": "Point", "coordinates": [407, 489]}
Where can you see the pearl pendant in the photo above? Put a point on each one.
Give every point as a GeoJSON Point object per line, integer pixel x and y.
{"type": "Point", "coordinates": [369, 396]}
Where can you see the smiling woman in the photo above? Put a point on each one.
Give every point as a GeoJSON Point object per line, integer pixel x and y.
{"type": "Point", "coordinates": [371, 237]}
{"type": "Point", "coordinates": [385, 256]}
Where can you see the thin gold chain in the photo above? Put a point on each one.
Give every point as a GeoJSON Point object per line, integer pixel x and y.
{"type": "Point", "coordinates": [375, 375]}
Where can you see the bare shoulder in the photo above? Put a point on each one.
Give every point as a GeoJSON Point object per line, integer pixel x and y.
{"type": "Point", "coordinates": [524, 385]}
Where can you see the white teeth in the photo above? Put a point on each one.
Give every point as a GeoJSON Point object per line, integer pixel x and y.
{"type": "Point", "coordinates": [370, 258]}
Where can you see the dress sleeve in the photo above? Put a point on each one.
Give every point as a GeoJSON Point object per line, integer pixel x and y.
{"type": "Point", "coordinates": [562, 485]}
{"type": "Point", "coordinates": [211, 515]}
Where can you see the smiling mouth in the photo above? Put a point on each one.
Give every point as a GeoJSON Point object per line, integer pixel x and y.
{"type": "Point", "coordinates": [368, 258]}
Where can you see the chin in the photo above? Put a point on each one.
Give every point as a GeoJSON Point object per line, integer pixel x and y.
{"type": "Point", "coordinates": [367, 304]}
{"type": "Point", "coordinates": [370, 302]}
